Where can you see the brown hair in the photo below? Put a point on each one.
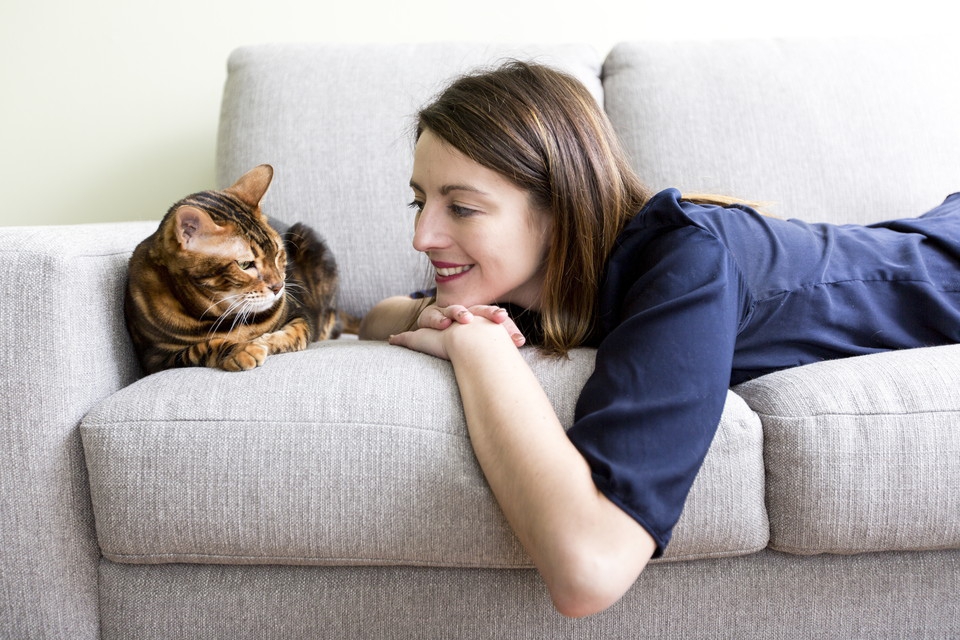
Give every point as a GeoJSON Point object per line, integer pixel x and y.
{"type": "Point", "coordinates": [542, 129]}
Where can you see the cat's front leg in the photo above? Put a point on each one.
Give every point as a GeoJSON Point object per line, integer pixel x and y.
{"type": "Point", "coordinates": [242, 356]}
{"type": "Point", "coordinates": [245, 356]}
{"type": "Point", "coordinates": [224, 354]}
{"type": "Point", "coordinates": [293, 336]}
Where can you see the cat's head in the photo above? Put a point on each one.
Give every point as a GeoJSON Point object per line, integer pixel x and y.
{"type": "Point", "coordinates": [221, 250]}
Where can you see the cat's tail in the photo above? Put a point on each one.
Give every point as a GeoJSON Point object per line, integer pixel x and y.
{"type": "Point", "coordinates": [311, 264]}
{"type": "Point", "coordinates": [348, 323]}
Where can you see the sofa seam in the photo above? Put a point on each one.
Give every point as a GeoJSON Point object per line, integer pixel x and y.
{"type": "Point", "coordinates": [828, 414]}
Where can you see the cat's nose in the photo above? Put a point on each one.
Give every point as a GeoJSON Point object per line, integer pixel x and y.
{"type": "Point", "coordinates": [275, 286]}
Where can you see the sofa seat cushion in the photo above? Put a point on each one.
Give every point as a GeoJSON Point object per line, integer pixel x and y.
{"type": "Point", "coordinates": [349, 453]}
{"type": "Point", "coordinates": [863, 454]}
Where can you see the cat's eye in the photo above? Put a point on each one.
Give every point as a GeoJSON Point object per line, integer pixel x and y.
{"type": "Point", "coordinates": [244, 264]}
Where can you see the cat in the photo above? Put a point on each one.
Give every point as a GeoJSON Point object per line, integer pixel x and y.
{"type": "Point", "coordinates": [216, 284]}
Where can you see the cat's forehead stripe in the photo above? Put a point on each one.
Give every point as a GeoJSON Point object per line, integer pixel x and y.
{"type": "Point", "coordinates": [224, 208]}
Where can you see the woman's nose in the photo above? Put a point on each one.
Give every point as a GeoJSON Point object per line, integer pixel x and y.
{"type": "Point", "coordinates": [427, 231]}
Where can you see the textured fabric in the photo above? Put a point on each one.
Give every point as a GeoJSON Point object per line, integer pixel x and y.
{"type": "Point", "coordinates": [766, 596]}
{"type": "Point", "coordinates": [336, 122]}
{"type": "Point", "coordinates": [864, 453]}
{"type": "Point", "coordinates": [62, 348]}
{"type": "Point", "coordinates": [348, 453]}
{"type": "Point", "coordinates": [842, 130]}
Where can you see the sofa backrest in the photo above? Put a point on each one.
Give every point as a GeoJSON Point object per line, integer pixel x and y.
{"type": "Point", "coordinates": [823, 130]}
{"type": "Point", "coordinates": [841, 130]}
{"type": "Point", "coordinates": [336, 122]}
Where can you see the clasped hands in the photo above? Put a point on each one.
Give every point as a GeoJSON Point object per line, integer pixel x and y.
{"type": "Point", "coordinates": [433, 324]}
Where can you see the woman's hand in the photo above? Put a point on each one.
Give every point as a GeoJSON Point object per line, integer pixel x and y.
{"type": "Point", "coordinates": [434, 320]}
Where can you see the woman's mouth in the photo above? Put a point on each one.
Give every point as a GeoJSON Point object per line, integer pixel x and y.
{"type": "Point", "coordinates": [447, 272]}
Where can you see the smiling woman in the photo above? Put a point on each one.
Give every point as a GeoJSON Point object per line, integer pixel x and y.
{"type": "Point", "coordinates": [500, 226]}
{"type": "Point", "coordinates": [480, 231]}
{"type": "Point", "coordinates": [524, 198]}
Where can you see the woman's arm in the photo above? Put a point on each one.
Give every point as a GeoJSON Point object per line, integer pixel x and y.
{"type": "Point", "coordinates": [587, 549]}
{"type": "Point", "coordinates": [390, 316]}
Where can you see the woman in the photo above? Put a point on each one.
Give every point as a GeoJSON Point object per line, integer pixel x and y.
{"type": "Point", "coordinates": [525, 202]}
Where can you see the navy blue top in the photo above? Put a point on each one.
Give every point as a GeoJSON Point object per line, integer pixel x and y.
{"type": "Point", "coordinates": [697, 298]}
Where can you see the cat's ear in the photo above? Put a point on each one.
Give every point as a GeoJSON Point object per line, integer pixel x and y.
{"type": "Point", "coordinates": [193, 226]}
{"type": "Point", "coordinates": [253, 185]}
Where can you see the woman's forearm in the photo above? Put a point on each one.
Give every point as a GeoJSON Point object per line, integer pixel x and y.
{"type": "Point", "coordinates": [587, 549]}
{"type": "Point", "coordinates": [390, 316]}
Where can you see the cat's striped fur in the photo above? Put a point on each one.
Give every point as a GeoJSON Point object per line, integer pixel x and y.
{"type": "Point", "coordinates": [218, 286]}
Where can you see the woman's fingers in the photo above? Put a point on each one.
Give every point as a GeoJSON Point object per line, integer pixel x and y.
{"type": "Point", "coordinates": [500, 316]}
{"type": "Point", "coordinates": [439, 318]}
{"type": "Point", "coordinates": [422, 340]}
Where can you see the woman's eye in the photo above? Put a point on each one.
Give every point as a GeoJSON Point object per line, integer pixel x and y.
{"type": "Point", "coordinates": [461, 212]}
{"type": "Point", "coordinates": [456, 209]}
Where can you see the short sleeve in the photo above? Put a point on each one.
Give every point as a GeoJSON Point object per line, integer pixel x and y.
{"type": "Point", "coordinates": [647, 415]}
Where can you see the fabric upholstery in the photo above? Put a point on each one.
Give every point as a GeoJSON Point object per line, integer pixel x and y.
{"type": "Point", "coordinates": [63, 347]}
{"type": "Point", "coordinates": [336, 122]}
{"type": "Point", "coordinates": [843, 130]}
{"type": "Point", "coordinates": [765, 596]}
{"type": "Point", "coordinates": [349, 453]}
{"type": "Point", "coordinates": [863, 454]}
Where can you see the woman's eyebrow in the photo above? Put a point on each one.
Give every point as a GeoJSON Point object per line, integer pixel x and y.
{"type": "Point", "coordinates": [448, 188]}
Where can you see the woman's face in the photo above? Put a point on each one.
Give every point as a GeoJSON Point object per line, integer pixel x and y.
{"type": "Point", "coordinates": [485, 241]}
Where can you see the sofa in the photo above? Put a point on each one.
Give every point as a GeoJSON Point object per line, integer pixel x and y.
{"type": "Point", "coordinates": [333, 492]}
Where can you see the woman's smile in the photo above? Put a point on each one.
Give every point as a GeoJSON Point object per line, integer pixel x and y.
{"type": "Point", "coordinates": [447, 271]}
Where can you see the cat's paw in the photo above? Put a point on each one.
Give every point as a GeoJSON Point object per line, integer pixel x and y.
{"type": "Point", "coordinates": [244, 357]}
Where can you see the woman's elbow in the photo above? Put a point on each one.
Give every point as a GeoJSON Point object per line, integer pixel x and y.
{"type": "Point", "coordinates": [581, 605]}
{"type": "Point", "coordinates": [593, 583]}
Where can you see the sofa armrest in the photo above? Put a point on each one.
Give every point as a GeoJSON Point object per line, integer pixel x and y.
{"type": "Point", "coordinates": [63, 348]}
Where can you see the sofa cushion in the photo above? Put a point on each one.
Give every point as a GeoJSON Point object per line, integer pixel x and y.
{"type": "Point", "coordinates": [349, 453]}
{"type": "Point", "coordinates": [842, 130]}
{"type": "Point", "coordinates": [336, 121]}
{"type": "Point", "coordinates": [863, 454]}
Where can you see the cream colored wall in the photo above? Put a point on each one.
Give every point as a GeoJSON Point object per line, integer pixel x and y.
{"type": "Point", "coordinates": [108, 108]}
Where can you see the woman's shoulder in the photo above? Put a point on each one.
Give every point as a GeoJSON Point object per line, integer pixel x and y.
{"type": "Point", "coordinates": [671, 208]}
{"type": "Point", "coordinates": [666, 222]}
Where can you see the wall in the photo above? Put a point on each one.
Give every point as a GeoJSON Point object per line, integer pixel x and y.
{"type": "Point", "coordinates": [108, 108]}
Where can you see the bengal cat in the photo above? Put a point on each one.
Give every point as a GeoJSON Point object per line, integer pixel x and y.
{"type": "Point", "coordinates": [217, 286]}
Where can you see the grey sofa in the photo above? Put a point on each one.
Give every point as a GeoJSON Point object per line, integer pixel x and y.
{"type": "Point", "coordinates": [333, 493]}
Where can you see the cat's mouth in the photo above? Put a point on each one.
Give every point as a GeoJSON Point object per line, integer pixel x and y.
{"type": "Point", "coordinates": [263, 302]}
{"type": "Point", "coordinates": [248, 305]}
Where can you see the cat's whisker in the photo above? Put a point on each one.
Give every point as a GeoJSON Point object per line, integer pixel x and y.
{"type": "Point", "coordinates": [241, 316]}
{"type": "Point", "coordinates": [292, 291]}
{"type": "Point", "coordinates": [224, 299]}
{"type": "Point", "coordinates": [237, 302]}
